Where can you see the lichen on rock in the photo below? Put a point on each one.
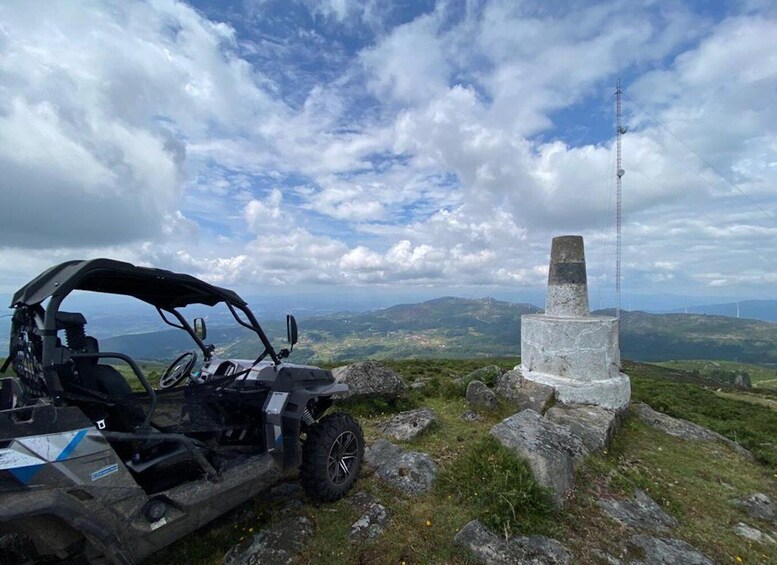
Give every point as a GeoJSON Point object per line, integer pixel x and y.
{"type": "Point", "coordinates": [552, 451]}
{"type": "Point", "coordinates": [411, 472]}
{"type": "Point", "coordinates": [406, 426]}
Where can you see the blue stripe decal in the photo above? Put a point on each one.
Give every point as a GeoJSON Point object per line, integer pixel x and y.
{"type": "Point", "coordinates": [72, 445]}
{"type": "Point", "coordinates": [25, 474]}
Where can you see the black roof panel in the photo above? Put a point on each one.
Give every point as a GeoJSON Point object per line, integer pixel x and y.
{"type": "Point", "coordinates": [164, 289]}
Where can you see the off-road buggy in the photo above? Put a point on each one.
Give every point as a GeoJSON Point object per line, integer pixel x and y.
{"type": "Point", "coordinates": [92, 469]}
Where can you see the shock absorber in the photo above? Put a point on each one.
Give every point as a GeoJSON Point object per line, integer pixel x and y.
{"type": "Point", "coordinates": [75, 336]}
{"type": "Point", "coordinates": [307, 418]}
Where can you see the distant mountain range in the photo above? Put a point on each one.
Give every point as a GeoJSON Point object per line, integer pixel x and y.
{"type": "Point", "coordinates": [663, 337]}
{"type": "Point", "coordinates": [113, 316]}
{"type": "Point", "coordinates": [765, 310]}
{"type": "Point", "coordinates": [458, 328]}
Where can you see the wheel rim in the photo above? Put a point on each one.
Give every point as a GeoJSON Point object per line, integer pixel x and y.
{"type": "Point", "coordinates": [342, 457]}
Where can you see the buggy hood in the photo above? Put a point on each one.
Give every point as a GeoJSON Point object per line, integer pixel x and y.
{"type": "Point", "coordinates": [160, 288]}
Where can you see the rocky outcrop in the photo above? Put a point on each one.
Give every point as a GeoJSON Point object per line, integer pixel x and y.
{"type": "Point", "coordinates": [753, 534]}
{"type": "Point", "coordinates": [743, 380]}
{"type": "Point", "coordinates": [480, 397]}
{"type": "Point", "coordinates": [279, 544]}
{"type": "Point", "coordinates": [594, 425]}
{"type": "Point", "coordinates": [683, 428]}
{"type": "Point", "coordinates": [411, 472]}
{"type": "Point", "coordinates": [641, 513]}
{"type": "Point", "coordinates": [369, 379]}
{"type": "Point", "coordinates": [491, 549]}
{"type": "Point", "coordinates": [665, 551]}
{"type": "Point", "coordinates": [420, 384]}
{"type": "Point", "coordinates": [522, 393]}
{"type": "Point", "coordinates": [470, 416]}
{"type": "Point", "coordinates": [371, 524]}
{"type": "Point", "coordinates": [406, 426]}
{"type": "Point", "coordinates": [552, 451]}
{"type": "Point", "coordinates": [759, 506]}
{"type": "Point", "coordinates": [360, 501]}
{"type": "Point", "coordinates": [374, 516]}
{"type": "Point", "coordinates": [487, 374]}
{"type": "Point", "coordinates": [602, 557]}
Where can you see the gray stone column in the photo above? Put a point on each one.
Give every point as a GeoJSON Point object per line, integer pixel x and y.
{"type": "Point", "coordinates": [567, 348]}
{"type": "Point", "coordinates": [567, 279]}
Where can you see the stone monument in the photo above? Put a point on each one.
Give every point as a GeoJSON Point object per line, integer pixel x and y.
{"type": "Point", "coordinates": [567, 348]}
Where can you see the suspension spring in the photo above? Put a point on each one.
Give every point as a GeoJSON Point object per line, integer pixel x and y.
{"type": "Point", "coordinates": [307, 418]}
{"type": "Point", "coordinates": [75, 337]}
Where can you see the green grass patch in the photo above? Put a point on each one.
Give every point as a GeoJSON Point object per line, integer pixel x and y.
{"type": "Point", "coordinates": [694, 482]}
{"type": "Point", "coordinates": [414, 369]}
{"type": "Point", "coordinates": [751, 425]}
{"type": "Point", "coordinates": [419, 369]}
{"type": "Point", "coordinates": [153, 372]}
{"type": "Point", "coordinates": [499, 487]}
{"type": "Point", "coordinates": [750, 398]}
{"type": "Point", "coordinates": [375, 407]}
{"type": "Point", "coordinates": [726, 371]}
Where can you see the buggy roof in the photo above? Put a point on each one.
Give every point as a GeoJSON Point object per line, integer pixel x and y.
{"type": "Point", "coordinates": [158, 287]}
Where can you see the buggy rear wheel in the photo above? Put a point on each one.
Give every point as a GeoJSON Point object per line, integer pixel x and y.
{"type": "Point", "coordinates": [331, 457]}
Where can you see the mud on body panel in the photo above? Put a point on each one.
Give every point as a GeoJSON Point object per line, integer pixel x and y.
{"type": "Point", "coordinates": [80, 457]}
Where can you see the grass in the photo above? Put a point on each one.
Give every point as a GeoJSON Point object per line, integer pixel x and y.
{"type": "Point", "coordinates": [752, 425]}
{"type": "Point", "coordinates": [694, 482]}
{"type": "Point", "coordinates": [152, 370]}
{"type": "Point", "coordinates": [376, 407]}
{"type": "Point", "coordinates": [750, 398]}
{"type": "Point", "coordinates": [501, 488]}
{"type": "Point", "coordinates": [760, 376]}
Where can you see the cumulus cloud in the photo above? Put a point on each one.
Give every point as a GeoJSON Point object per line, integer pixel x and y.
{"type": "Point", "coordinates": [361, 145]}
{"type": "Point", "coordinates": [97, 104]}
{"type": "Point", "coordinates": [264, 214]}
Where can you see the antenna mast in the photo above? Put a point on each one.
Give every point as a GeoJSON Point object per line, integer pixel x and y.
{"type": "Point", "coordinates": [619, 172]}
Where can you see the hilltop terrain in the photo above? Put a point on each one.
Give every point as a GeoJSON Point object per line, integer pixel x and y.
{"type": "Point", "coordinates": [695, 483]}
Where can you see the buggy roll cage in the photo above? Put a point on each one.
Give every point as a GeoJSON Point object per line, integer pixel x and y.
{"type": "Point", "coordinates": [165, 290]}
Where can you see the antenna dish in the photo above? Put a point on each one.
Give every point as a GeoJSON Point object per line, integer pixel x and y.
{"type": "Point", "coordinates": [622, 129]}
{"type": "Point", "coordinates": [621, 172]}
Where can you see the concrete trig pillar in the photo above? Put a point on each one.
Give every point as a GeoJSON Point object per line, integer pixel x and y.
{"type": "Point", "coordinates": [567, 348]}
{"type": "Point", "coordinates": [567, 279]}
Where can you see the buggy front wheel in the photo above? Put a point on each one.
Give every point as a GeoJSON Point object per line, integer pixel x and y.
{"type": "Point", "coordinates": [331, 457]}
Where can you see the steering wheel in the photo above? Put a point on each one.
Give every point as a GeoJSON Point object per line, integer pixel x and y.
{"type": "Point", "coordinates": [178, 370]}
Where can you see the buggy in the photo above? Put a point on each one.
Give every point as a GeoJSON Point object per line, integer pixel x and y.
{"type": "Point", "coordinates": [93, 469]}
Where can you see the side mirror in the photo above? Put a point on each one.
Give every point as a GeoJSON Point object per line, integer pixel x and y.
{"type": "Point", "coordinates": [291, 330]}
{"type": "Point", "coordinates": [200, 329]}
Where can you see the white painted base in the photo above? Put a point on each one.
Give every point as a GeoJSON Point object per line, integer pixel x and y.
{"type": "Point", "coordinates": [579, 349]}
{"type": "Point", "coordinates": [612, 393]}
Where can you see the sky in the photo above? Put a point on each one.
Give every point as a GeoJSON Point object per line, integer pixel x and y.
{"type": "Point", "coordinates": [381, 150]}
